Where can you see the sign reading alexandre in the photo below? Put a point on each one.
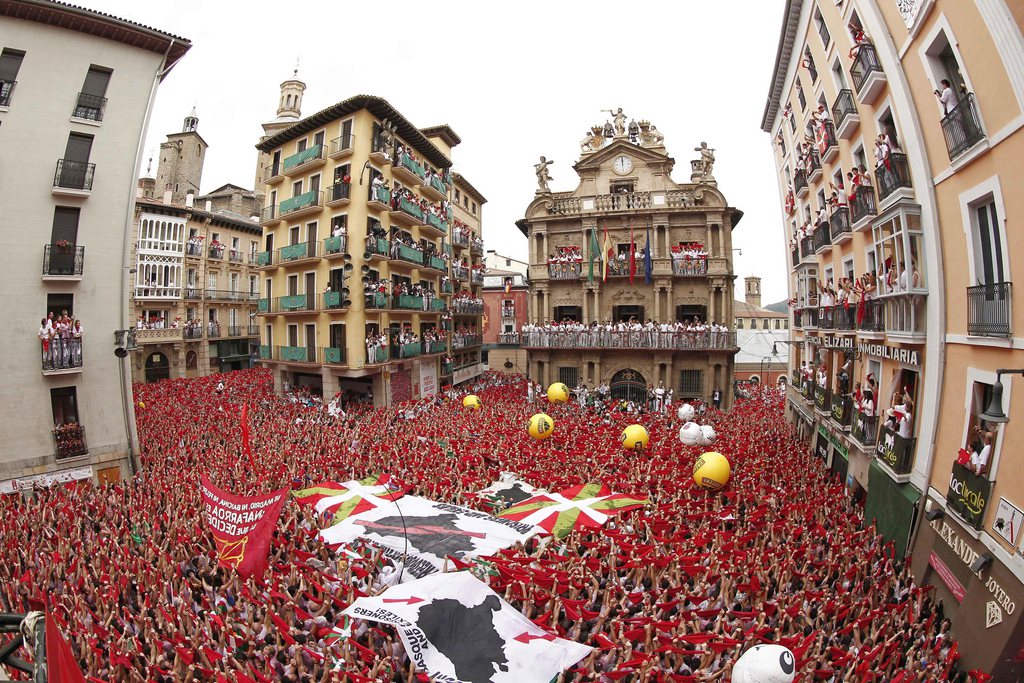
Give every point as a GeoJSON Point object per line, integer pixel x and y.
{"type": "Point", "coordinates": [906, 356]}
{"type": "Point", "coordinates": [968, 494]}
{"type": "Point", "coordinates": [963, 550]}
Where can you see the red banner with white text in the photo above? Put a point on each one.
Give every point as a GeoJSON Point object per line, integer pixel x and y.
{"type": "Point", "coordinates": [242, 526]}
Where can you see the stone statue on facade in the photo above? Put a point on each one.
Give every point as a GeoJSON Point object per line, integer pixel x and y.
{"type": "Point", "coordinates": [634, 131]}
{"type": "Point", "coordinates": [543, 177]}
{"type": "Point", "coordinates": [387, 137]}
{"type": "Point", "coordinates": [619, 120]}
{"type": "Point", "coordinates": [594, 140]}
{"type": "Point", "coordinates": [649, 134]}
{"type": "Point", "coordinates": [608, 131]}
{"type": "Point", "coordinates": [703, 167]}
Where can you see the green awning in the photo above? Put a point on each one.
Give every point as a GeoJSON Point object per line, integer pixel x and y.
{"type": "Point", "coordinates": [892, 507]}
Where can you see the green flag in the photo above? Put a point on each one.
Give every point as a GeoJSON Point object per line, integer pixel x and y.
{"type": "Point", "coordinates": [594, 249]}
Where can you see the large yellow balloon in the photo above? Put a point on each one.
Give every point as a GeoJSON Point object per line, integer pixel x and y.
{"type": "Point", "coordinates": [711, 471]}
{"type": "Point", "coordinates": [472, 402]}
{"type": "Point", "coordinates": [635, 438]}
{"type": "Point", "coordinates": [541, 426]}
{"type": "Point", "coordinates": [558, 393]}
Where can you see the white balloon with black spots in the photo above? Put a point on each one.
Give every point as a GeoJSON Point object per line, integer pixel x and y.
{"type": "Point", "coordinates": [765, 664]}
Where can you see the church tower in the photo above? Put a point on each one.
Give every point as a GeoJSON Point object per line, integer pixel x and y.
{"type": "Point", "coordinates": [753, 296]}
{"type": "Point", "coordinates": [289, 111]}
{"type": "Point", "coordinates": [180, 169]}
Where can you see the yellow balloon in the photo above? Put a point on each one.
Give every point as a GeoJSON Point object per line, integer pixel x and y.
{"type": "Point", "coordinates": [472, 402]}
{"type": "Point", "coordinates": [635, 438]}
{"type": "Point", "coordinates": [142, 404]}
{"type": "Point", "coordinates": [558, 393]}
{"type": "Point", "coordinates": [711, 471]}
{"type": "Point", "coordinates": [541, 426]}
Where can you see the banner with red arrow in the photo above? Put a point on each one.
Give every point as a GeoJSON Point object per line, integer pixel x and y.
{"type": "Point", "coordinates": [457, 630]}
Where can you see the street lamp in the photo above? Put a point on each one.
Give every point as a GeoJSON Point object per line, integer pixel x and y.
{"type": "Point", "coordinates": [761, 370]}
{"type": "Point", "coordinates": [994, 412]}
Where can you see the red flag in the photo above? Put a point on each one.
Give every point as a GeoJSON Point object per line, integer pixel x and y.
{"type": "Point", "coordinates": [632, 255]}
{"type": "Point", "coordinates": [61, 665]}
{"type": "Point", "coordinates": [246, 446]}
{"type": "Point", "coordinates": [242, 526]}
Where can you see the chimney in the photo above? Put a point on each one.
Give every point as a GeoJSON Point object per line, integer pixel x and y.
{"type": "Point", "coordinates": [167, 196]}
{"type": "Point", "coordinates": [753, 291]}
{"type": "Point", "coordinates": [190, 200]}
{"type": "Point", "coordinates": [209, 206]}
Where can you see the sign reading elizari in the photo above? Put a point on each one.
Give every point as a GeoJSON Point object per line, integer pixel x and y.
{"type": "Point", "coordinates": [906, 356]}
{"type": "Point", "coordinates": [832, 342]}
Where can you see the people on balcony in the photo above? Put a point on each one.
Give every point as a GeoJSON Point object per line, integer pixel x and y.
{"type": "Point", "coordinates": [982, 439]}
{"type": "Point", "coordinates": [860, 39]}
{"type": "Point", "coordinates": [900, 416]}
{"type": "Point", "coordinates": [339, 230]}
{"type": "Point", "coordinates": [690, 333]}
{"type": "Point", "coordinates": [60, 339]}
{"type": "Point", "coordinates": [376, 348]}
{"type": "Point", "coordinates": [947, 98]}
{"type": "Point", "coordinates": [838, 199]}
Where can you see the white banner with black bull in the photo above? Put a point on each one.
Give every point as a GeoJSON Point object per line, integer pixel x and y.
{"type": "Point", "coordinates": [458, 630]}
{"type": "Point", "coordinates": [433, 530]}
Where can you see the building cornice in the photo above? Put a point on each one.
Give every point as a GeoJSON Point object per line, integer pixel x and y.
{"type": "Point", "coordinates": [192, 212]}
{"type": "Point", "coordinates": [468, 188]}
{"type": "Point", "coordinates": [377, 106]}
{"type": "Point", "coordinates": [443, 131]}
{"type": "Point", "coordinates": [783, 55]}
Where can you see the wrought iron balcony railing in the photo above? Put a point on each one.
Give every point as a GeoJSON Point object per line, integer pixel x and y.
{"type": "Point", "coordinates": [892, 175]}
{"type": "Point", "coordinates": [603, 339]}
{"type": "Point", "coordinates": [69, 441]}
{"type": "Point", "coordinates": [989, 310]}
{"type": "Point", "coordinates": [89, 107]}
{"type": "Point", "coordinates": [962, 127]}
{"type": "Point", "coordinates": [74, 175]}
{"type": "Point", "coordinates": [63, 260]}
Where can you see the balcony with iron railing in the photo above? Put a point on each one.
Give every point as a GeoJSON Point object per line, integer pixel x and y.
{"type": "Point", "coordinates": [460, 273]}
{"type": "Point", "coordinates": [821, 238]}
{"type": "Point", "coordinates": [376, 301]}
{"type": "Point", "coordinates": [335, 246]}
{"type": "Point", "coordinates": [839, 225]}
{"type": "Point", "coordinates": [375, 355]}
{"type": "Point", "coordinates": [275, 173]}
{"type": "Point", "coordinates": [377, 247]}
{"type": "Point", "coordinates": [862, 207]}
{"type": "Point", "coordinates": [866, 71]}
{"type": "Point", "coordinates": [302, 204]}
{"type": "Point", "coordinates": [645, 340]}
{"type": "Point", "coordinates": [69, 441]}
{"type": "Point", "coordinates": [810, 318]}
{"type": "Point", "coordinates": [331, 355]}
{"type": "Point", "coordinates": [828, 144]}
{"type": "Point", "coordinates": [806, 247]}
{"type": "Point", "coordinates": [466, 341]}
{"type": "Point", "coordinates": [342, 146]}
{"type": "Point", "coordinates": [476, 277]}
{"type": "Point", "coordinates": [378, 197]}
{"type": "Point", "coordinates": [253, 330]}
{"type": "Point", "coordinates": [63, 261]}
{"type": "Point", "coordinates": [511, 338]}
{"type": "Point", "coordinates": [447, 288]}
{"type": "Point", "coordinates": [295, 354]}
{"type": "Point", "coordinates": [216, 251]}
{"type": "Point", "coordinates": [194, 249]}
{"type": "Point", "coordinates": [407, 212]}
{"type": "Point", "coordinates": [293, 304]}
{"type": "Point", "coordinates": [435, 224]}
{"type": "Point", "coordinates": [446, 369]}
{"type": "Point", "coordinates": [6, 92]}
{"type": "Point", "coordinates": [460, 239]}
{"type": "Point", "coordinates": [873, 319]}
{"type": "Point", "coordinates": [989, 310]}
{"type": "Point", "coordinates": [434, 189]}
{"type": "Point", "coordinates": [89, 107]}
{"type": "Point", "coordinates": [406, 253]}
{"type": "Point", "coordinates": [234, 330]}
{"type": "Point", "coordinates": [845, 114]}
{"type": "Point", "coordinates": [863, 428]}
{"type": "Point", "coordinates": [73, 177]}
{"type": "Point", "coordinates": [826, 318]}
{"type": "Point", "coordinates": [823, 33]}
{"type": "Point", "coordinates": [961, 127]}
{"type": "Point", "coordinates": [297, 253]}
{"type": "Point", "coordinates": [565, 271]}
{"type": "Point", "coordinates": [795, 253]}
{"type": "Point", "coordinates": [798, 318]}
{"type": "Point", "coordinates": [812, 165]}
{"type": "Point", "coordinates": [893, 175]}
{"type": "Point", "coordinates": [467, 308]}
{"type": "Point", "coordinates": [269, 214]}
{"type": "Point", "coordinates": [338, 194]}
{"type": "Point", "coordinates": [408, 170]}
{"type": "Point", "coordinates": [807, 390]}
{"type": "Point", "coordinates": [61, 356]}
{"type": "Point", "coordinates": [435, 263]}
{"type": "Point", "coordinates": [194, 332]}
{"type": "Point", "coordinates": [688, 266]}
{"type": "Point", "coordinates": [844, 318]}
{"type": "Point", "coordinates": [894, 451]}
{"type": "Point", "coordinates": [408, 302]}
{"type": "Point", "coordinates": [229, 295]}
{"type": "Point", "coordinates": [302, 161]}
{"type": "Point", "coordinates": [800, 182]}
{"type": "Point", "coordinates": [236, 256]}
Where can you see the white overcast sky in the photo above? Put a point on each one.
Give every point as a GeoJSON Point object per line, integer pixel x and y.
{"type": "Point", "coordinates": [514, 80]}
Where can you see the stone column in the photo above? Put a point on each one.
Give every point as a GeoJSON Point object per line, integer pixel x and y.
{"type": "Point", "coordinates": [330, 383]}
{"type": "Point", "coordinates": [657, 305]}
{"type": "Point", "coordinates": [586, 303]}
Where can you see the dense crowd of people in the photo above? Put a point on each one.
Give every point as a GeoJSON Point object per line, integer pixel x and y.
{"type": "Point", "coordinates": [674, 591]}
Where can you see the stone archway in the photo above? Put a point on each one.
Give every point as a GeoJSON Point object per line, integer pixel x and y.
{"type": "Point", "coordinates": [191, 364]}
{"type": "Point", "coordinates": [158, 367]}
{"type": "Point", "coordinates": [629, 385]}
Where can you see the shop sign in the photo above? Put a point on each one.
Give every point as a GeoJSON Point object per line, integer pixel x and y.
{"type": "Point", "coordinates": [832, 342]}
{"type": "Point", "coordinates": [968, 555]}
{"type": "Point", "coordinates": [968, 494]}
{"type": "Point", "coordinates": [1008, 521]}
{"type": "Point", "coordinates": [952, 583]}
{"type": "Point", "coordinates": [821, 449]}
{"type": "Point", "coordinates": [905, 356]}
{"type": "Point", "coordinates": [47, 479]}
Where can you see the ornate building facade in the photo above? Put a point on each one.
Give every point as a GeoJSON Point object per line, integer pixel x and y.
{"type": "Point", "coordinates": [626, 196]}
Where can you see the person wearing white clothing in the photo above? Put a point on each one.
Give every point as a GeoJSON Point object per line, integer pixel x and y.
{"type": "Point", "coordinates": [947, 98]}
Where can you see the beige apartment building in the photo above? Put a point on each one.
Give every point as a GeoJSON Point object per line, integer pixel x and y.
{"type": "Point", "coordinates": [910, 112]}
{"type": "Point", "coordinates": [626, 195]}
{"type": "Point", "coordinates": [371, 255]}
{"type": "Point", "coordinates": [74, 119]}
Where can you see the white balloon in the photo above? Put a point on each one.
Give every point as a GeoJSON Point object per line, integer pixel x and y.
{"type": "Point", "coordinates": [708, 436]}
{"type": "Point", "coordinates": [690, 434]}
{"type": "Point", "coordinates": [765, 664]}
{"type": "Point", "coordinates": [685, 412]}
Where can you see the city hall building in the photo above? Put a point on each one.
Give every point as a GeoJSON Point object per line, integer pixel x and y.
{"type": "Point", "coordinates": [625, 195]}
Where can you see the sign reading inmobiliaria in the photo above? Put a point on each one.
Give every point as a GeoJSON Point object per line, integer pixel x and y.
{"type": "Point", "coordinates": [242, 526]}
